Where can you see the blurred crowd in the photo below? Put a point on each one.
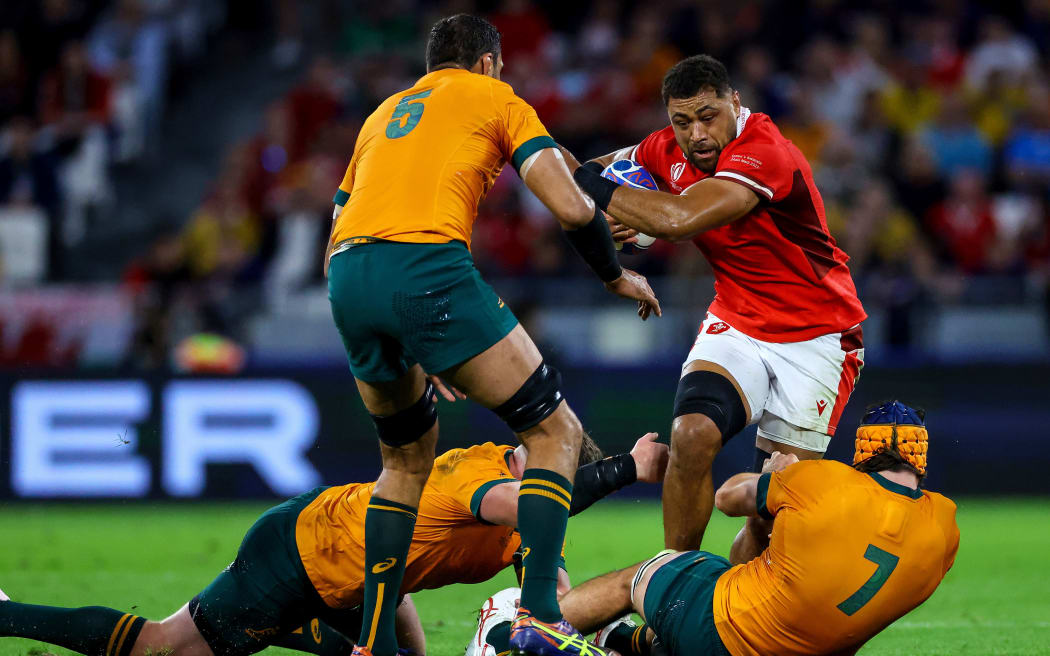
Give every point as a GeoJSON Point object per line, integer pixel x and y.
{"type": "Point", "coordinates": [927, 125]}
{"type": "Point", "coordinates": [83, 88]}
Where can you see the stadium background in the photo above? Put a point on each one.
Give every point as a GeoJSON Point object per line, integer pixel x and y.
{"type": "Point", "coordinates": [166, 174]}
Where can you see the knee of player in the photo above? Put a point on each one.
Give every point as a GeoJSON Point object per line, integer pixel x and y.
{"type": "Point", "coordinates": [694, 437]}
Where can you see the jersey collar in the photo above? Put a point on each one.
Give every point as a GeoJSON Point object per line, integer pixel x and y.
{"type": "Point", "coordinates": [896, 487]}
{"type": "Point", "coordinates": [741, 120]}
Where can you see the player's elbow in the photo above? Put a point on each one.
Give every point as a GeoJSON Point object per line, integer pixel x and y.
{"type": "Point", "coordinates": [728, 500]}
{"type": "Point", "coordinates": [574, 213]}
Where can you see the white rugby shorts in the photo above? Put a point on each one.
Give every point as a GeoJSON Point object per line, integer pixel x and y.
{"type": "Point", "coordinates": [796, 390]}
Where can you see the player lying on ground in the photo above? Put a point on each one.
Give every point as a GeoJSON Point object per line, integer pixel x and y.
{"type": "Point", "coordinates": [408, 301]}
{"type": "Point", "coordinates": [851, 550]}
{"type": "Point", "coordinates": [781, 344]}
{"type": "Point", "coordinates": [297, 580]}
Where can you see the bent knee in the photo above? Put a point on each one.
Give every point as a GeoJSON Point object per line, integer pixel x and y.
{"type": "Point", "coordinates": [695, 436]}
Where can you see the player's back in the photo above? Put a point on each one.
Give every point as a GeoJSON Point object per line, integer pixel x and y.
{"type": "Point", "coordinates": [449, 545]}
{"type": "Point", "coordinates": [428, 155]}
{"type": "Point", "coordinates": [850, 553]}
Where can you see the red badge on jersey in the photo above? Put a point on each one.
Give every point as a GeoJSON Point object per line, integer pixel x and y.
{"type": "Point", "coordinates": [717, 327]}
{"type": "Point", "coordinates": [821, 404]}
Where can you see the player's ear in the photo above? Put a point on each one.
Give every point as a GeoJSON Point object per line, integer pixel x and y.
{"type": "Point", "coordinates": [736, 102]}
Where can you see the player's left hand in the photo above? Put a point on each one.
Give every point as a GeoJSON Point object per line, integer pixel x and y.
{"type": "Point", "coordinates": [447, 392]}
{"type": "Point", "coordinates": [778, 462]}
{"type": "Point", "coordinates": [650, 458]}
{"type": "Point", "coordinates": [621, 234]}
{"type": "Point", "coordinates": [635, 286]}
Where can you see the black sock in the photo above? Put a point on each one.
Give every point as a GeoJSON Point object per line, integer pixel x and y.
{"type": "Point", "coordinates": [499, 637]}
{"type": "Point", "coordinates": [388, 534]}
{"type": "Point", "coordinates": [91, 630]}
{"type": "Point", "coordinates": [316, 637]}
{"type": "Point", "coordinates": [629, 640]}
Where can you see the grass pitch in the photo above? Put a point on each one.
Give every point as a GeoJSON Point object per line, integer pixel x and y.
{"type": "Point", "coordinates": [150, 559]}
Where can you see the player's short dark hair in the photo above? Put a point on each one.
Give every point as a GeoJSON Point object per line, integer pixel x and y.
{"type": "Point", "coordinates": [589, 451]}
{"type": "Point", "coordinates": [886, 460]}
{"type": "Point", "coordinates": [461, 40]}
{"type": "Point", "coordinates": [694, 74]}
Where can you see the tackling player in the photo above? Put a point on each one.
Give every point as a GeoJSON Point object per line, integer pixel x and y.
{"type": "Point", "coordinates": [851, 551]}
{"type": "Point", "coordinates": [781, 344]}
{"type": "Point", "coordinates": [408, 301]}
{"type": "Point", "coordinates": [298, 578]}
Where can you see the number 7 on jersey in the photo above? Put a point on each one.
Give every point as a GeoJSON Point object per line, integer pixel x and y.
{"type": "Point", "coordinates": [886, 563]}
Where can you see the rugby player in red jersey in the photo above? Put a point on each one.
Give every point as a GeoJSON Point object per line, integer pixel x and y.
{"type": "Point", "coordinates": [781, 344]}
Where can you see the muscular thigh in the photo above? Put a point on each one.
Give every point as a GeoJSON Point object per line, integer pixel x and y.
{"type": "Point", "coordinates": [722, 349]}
{"type": "Point", "coordinates": [494, 375]}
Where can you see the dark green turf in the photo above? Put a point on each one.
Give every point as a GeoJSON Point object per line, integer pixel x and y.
{"type": "Point", "coordinates": [153, 558]}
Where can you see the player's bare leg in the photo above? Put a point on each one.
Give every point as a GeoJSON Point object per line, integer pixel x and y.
{"type": "Point", "coordinates": [177, 635]}
{"type": "Point", "coordinates": [408, 429]}
{"type": "Point", "coordinates": [753, 538]}
{"type": "Point", "coordinates": [599, 601]}
{"type": "Point", "coordinates": [511, 379]}
{"type": "Point", "coordinates": [688, 492]}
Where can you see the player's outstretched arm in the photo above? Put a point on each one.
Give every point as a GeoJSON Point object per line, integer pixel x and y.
{"type": "Point", "coordinates": [708, 204]}
{"type": "Point", "coordinates": [546, 175]}
{"type": "Point", "coordinates": [738, 496]}
{"type": "Point", "coordinates": [646, 462]}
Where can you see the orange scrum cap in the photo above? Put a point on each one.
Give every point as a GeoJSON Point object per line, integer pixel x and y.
{"type": "Point", "coordinates": [893, 426]}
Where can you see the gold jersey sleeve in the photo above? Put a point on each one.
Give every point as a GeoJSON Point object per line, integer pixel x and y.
{"type": "Point", "coordinates": [449, 544]}
{"type": "Point", "coordinates": [428, 155]}
{"type": "Point", "coordinates": [849, 554]}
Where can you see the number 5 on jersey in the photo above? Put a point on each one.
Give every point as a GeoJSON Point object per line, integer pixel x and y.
{"type": "Point", "coordinates": [410, 107]}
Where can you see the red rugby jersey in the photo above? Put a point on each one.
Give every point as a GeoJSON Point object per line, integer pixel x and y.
{"type": "Point", "coordinates": [779, 276]}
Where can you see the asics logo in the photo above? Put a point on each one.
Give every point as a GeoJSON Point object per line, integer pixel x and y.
{"type": "Point", "coordinates": [315, 630]}
{"type": "Point", "coordinates": [379, 568]}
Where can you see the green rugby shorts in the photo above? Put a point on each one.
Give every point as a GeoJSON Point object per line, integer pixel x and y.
{"type": "Point", "coordinates": [396, 304]}
{"type": "Point", "coordinates": [679, 603]}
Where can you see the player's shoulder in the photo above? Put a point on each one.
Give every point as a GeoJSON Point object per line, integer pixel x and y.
{"type": "Point", "coordinates": [943, 507]}
{"type": "Point", "coordinates": [760, 128]}
{"type": "Point", "coordinates": [816, 469]}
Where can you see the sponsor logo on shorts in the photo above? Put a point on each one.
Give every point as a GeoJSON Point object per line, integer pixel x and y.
{"type": "Point", "coordinates": [821, 404]}
{"type": "Point", "coordinates": [379, 568]}
{"type": "Point", "coordinates": [717, 328]}
{"type": "Point", "coordinates": [676, 170]}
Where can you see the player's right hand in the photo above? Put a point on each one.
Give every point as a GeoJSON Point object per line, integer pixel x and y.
{"type": "Point", "coordinates": [634, 286]}
{"type": "Point", "coordinates": [650, 458]}
{"type": "Point", "coordinates": [778, 462]}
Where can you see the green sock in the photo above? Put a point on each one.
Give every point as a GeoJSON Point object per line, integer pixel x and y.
{"type": "Point", "coordinates": [499, 637]}
{"type": "Point", "coordinates": [316, 637]}
{"type": "Point", "coordinates": [543, 510]}
{"type": "Point", "coordinates": [629, 640]}
{"type": "Point", "coordinates": [92, 630]}
{"type": "Point", "coordinates": [388, 534]}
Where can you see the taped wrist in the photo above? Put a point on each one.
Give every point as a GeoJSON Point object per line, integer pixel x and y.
{"type": "Point", "coordinates": [595, 245]}
{"type": "Point", "coordinates": [589, 178]}
{"type": "Point", "coordinates": [599, 479]}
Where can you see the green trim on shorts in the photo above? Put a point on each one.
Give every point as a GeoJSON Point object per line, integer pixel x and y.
{"type": "Point", "coordinates": [530, 148]}
{"type": "Point", "coordinates": [761, 494]}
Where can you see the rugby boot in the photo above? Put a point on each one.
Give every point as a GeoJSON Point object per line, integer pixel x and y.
{"type": "Point", "coordinates": [531, 637]}
{"type": "Point", "coordinates": [361, 651]}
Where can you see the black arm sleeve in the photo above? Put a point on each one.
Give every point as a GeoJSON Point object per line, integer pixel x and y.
{"type": "Point", "coordinates": [599, 479]}
{"type": "Point", "coordinates": [595, 245]}
{"type": "Point", "coordinates": [589, 178]}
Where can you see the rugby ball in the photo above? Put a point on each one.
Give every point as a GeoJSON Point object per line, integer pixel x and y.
{"type": "Point", "coordinates": [632, 174]}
